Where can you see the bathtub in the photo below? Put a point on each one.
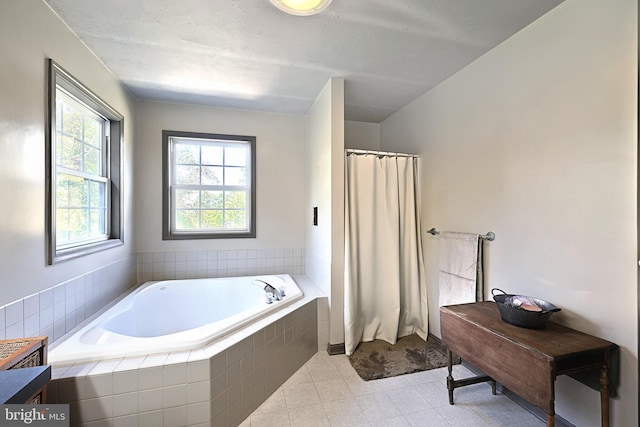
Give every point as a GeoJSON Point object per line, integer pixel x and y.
{"type": "Point", "coordinates": [171, 316]}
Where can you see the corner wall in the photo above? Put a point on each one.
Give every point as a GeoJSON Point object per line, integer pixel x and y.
{"type": "Point", "coordinates": [325, 173]}
{"type": "Point", "coordinates": [537, 141]}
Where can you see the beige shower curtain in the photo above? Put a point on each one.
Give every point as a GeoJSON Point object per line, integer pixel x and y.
{"type": "Point", "coordinates": [385, 291]}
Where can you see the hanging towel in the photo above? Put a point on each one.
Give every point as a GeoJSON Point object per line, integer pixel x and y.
{"type": "Point", "coordinates": [460, 274]}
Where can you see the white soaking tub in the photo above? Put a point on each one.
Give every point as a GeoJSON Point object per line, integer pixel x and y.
{"type": "Point", "coordinates": [173, 315]}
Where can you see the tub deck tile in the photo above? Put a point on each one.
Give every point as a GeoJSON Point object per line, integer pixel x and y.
{"type": "Point", "coordinates": [213, 350]}
{"type": "Point", "coordinates": [153, 360]}
{"type": "Point", "coordinates": [105, 367]}
{"type": "Point", "coordinates": [130, 364]}
{"type": "Point", "coordinates": [80, 369]}
{"type": "Point", "coordinates": [197, 355]}
{"type": "Point", "coordinates": [177, 357]}
{"type": "Point", "coordinates": [59, 371]}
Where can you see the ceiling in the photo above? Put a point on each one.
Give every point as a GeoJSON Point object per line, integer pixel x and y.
{"type": "Point", "coordinates": [246, 54]}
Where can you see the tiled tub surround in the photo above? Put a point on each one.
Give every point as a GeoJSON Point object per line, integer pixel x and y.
{"type": "Point", "coordinates": [218, 385]}
{"type": "Point", "coordinates": [219, 263]}
{"type": "Point", "coordinates": [57, 310]}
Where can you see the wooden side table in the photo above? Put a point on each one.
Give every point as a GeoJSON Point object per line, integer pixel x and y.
{"type": "Point", "coordinates": [526, 361]}
{"type": "Point", "coordinates": [25, 353]}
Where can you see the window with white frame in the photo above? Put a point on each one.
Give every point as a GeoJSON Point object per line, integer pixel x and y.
{"type": "Point", "coordinates": [83, 168]}
{"type": "Point", "coordinates": [208, 185]}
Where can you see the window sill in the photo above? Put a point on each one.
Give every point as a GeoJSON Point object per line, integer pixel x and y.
{"type": "Point", "coordinates": [193, 236]}
{"type": "Point", "coordinates": [68, 254]}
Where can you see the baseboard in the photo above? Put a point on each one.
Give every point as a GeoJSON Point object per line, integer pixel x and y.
{"type": "Point", "coordinates": [434, 338]}
{"type": "Point", "coordinates": [334, 349]}
{"type": "Point", "coordinates": [537, 412]}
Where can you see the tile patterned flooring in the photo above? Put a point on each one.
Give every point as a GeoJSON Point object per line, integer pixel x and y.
{"type": "Point", "coordinates": [327, 391]}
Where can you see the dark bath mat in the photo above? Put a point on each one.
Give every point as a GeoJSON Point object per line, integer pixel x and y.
{"type": "Point", "coordinates": [379, 359]}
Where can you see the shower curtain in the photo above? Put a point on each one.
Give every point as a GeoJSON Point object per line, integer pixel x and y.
{"type": "Point", "coordinates": [385, 290]}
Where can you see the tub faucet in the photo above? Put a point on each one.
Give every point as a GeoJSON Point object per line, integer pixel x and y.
{"type": "Point", "coordinates": [268, 288]}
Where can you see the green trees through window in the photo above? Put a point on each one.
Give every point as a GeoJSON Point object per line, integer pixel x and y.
{"type": "Point", "coordinates": [81, 185]}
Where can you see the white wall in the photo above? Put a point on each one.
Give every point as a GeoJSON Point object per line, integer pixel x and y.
{"type": "Point", "coordinates": [280, 174]}
{"type": "Point", "coordinates": [31, 33]}
{"type": "Point", "coordinates": [325, 174]}
{"type": "Point", "coordinates": [536, 141]}
{"type": "Point", "coordinates": [362, 135]}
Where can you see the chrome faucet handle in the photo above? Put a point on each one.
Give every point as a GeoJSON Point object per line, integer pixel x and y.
{"type": "Point", "coordinates": [275, 293]}
{"type": "Point", "coordinates": [269, 297]}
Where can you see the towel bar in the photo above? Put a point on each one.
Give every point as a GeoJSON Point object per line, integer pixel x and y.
{"type": "Point", "coordinates": [489, 236]}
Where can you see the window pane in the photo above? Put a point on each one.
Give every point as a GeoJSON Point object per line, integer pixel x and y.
{"type": "Point", "coordinates": [235, 220]}
{"type": "Point", "coordinates": [96, 227]}
{"type": "Point", "coordinates": [187, 219]}
{"type": "Point", "coordinates": [212, 175]}
{"type": "Point", "coordinates": [212, 155]}
{"type": "Point", "coordinates": [70, 152]}
{"type": "Point", "coordinates": [78, 192]}
{"type": "Point", "coordinates": [187, 199]}
{"type": "Point", "coordinates": [62, 225]}
{"type": "Point", "coordinates": [188, 175]}
{"type": "Point", "coordinates": [212, 200]}
{"type": "Point", "coordinates": [79, 136]}
{"type": "Point", "coordinates": [77, 227]}
{"type": "Point", "coordinates": [187, 154]}
{"type": "Point", "coordinates": [62, 194]}
{"type": "Point", "coordinates": [81, 213]}
{"type": "Point", "coordinates": [235, 156]}
{"type": "Point", "coordinates": [97, 197]}
{"type": "Point", "coordinates": [71, 121]}
{"type": "Point", "coordinates": [92, 160]}
{"type": "Point", "coordinates": [235, 176]}
{"type": "Point", "coordinates": [93, 132]}
{"type": "Point", "coordinates": [235, 200]}
{"type": "Point", "coordinates": [59, 147]}
{"type": "Point", "coordinates": [212, 219]}
{"type": "Point", "coordinates": [74, 188]}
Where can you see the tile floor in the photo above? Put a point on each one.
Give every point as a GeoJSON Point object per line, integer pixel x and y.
{"type": "Point", "coordinates": [327, 391]}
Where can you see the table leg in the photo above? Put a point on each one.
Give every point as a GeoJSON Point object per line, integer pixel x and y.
{"type": "Point", "coordinates": [551, 420]}
{"type": "Point", "coordinates": [604, 395]}
{"type": "Point", "coordinates": [450, 384]}
{"type": "Point", "coordinates": [493, 387]}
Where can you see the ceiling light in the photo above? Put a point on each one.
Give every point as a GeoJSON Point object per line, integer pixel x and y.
{"type": "Point", "coordinates": [301, 7]}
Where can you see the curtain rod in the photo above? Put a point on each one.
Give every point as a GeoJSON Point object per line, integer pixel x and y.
{"type": "Point", "coordinates": [379, 153]}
